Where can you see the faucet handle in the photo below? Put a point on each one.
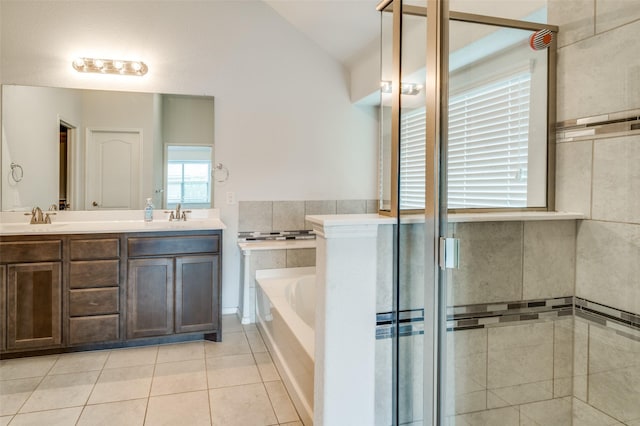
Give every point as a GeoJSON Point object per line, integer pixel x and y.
{"type": "Point", "coordinates": [172, 215]}
{"type": "Point", "coordinates": [47, 218]}
{"type": "Point", "coordinates": [184, 215]}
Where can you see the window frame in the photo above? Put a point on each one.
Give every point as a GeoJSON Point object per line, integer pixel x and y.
{"type": "Point", "coordinates": [396, 109]}
{"type": "Point", "coordinates": [165, 163]}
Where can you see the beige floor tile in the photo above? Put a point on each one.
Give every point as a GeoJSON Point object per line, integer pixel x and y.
{"type": "Point", "coordinates": [241, 406]}
{"type": "Point", "coordinates": [21, 368]}
{"type": "Point", "coordinates": [191, 408]}
{"type": "Point", "coordinates": [131, 357]}
{"type": "Point", "coordinates": [120, 384]}
{"type": "Point", "coordinates": [232, 371]}
{"type": "Point", "coordinates": [249, 327]}
{"type": "Point", "coordinates": [61, 391]}
{"type": "Point", "coordinates": [80, 361]}
{"type": "Point", "coordinates": [62, 417]}
{"type": "Point", "coordinates": [178, 377]}
{"type": "Point", "coordinates": [231, 324]}
{"type": "Point", "coordinates": [232, 344]}
{"type": "Point", "coordinates": [255, 341]}
{"type": "Point", "coordinates": [4, 420]}
{"type": "Point", "coordinates": [292, 424]}
{"type": "Point", "coordinates": [13, 393]}
{"type": "Point", "coordinates": [266, 367]}
{"type": "Point", "coordinates": [129, 413]}
{"type": "Point", "coordinates": [180, 352]}
{"type": "Point", "coordinates": [282, 405]}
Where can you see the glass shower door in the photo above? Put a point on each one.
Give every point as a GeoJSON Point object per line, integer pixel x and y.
{"type": "Point", "coordinates": [507, 327]}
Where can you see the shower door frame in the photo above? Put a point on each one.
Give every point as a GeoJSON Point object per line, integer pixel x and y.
{"type": "Point", "coordinates": [435, 213]}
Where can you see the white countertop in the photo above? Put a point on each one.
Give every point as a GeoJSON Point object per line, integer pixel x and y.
{"type": "Point", "coordinates": [376, 219]}
{"type": "Point", "coordinates": [90, 222]}
{"type": "Point", "coordinates": [350, 219]}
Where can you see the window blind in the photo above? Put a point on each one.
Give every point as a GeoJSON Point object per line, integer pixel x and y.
{"type": "Point", "coordinates": [412, 159]}
{"type": "Point", "coordinates": [488, 147]}
{"type": "Point", "coordinates": [488, 144]}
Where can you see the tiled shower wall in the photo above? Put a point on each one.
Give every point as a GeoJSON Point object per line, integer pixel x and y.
{"type": "Point", "coordinates": [271, 216]}
{"type": "Point", "coordinates": [598, 74]}
{"type": "Point", "coordinates": [519, 364]}
{"type": "Point", "coordinates": [496, 371]}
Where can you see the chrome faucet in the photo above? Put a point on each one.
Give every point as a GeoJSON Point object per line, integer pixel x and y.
{"type": "Point", "coordinates": [38, 217]}
{"type": "Point", "coordinates": [178, 214]}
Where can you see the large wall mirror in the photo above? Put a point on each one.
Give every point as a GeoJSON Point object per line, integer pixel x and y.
{"type": "Point", "coordinates": [91, 149]}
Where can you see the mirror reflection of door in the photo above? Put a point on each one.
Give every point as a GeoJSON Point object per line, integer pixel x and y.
{"type": "Point", "coordinates": [67, 142]}
{"type": "Point", "coordinates": [188, 171]}
{"type": "Point", "coordinates": [113, 169]}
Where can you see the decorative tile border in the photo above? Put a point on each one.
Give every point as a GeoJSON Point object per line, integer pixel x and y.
{"type": "Point", "coordinates": [482, 315]}
{"type": "Point", "coordinates": [624, 323]}
{"type": "Point", "coordinates": [411, 323]}
{"type": "Point", "coordinates": [272, 236]}
{"type": "Point", "coordinates": [476, 316]}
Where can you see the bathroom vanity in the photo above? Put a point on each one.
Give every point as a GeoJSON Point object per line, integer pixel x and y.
{"type": "Point", "coordinates": [84, 285]}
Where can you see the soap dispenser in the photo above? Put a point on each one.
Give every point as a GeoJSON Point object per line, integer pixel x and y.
{"type": "Point", "coordinates": [148, 211]}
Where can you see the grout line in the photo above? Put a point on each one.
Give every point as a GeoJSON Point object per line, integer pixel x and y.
{"type": "Point", "coordinates": [206, 378]}
{"type": "Point", "coordinates": [153, 372]}
{"type": "Point", "coordinates": [36, 387]}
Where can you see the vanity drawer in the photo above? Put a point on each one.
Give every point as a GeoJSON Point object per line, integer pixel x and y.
{"type": "Point", "coordinates": [99, 248]}
{"type": "Point", "coordinates": [95, 301]}
{"type": "Point", "coordinates": [30, 251]}
{"type": "Point", "coordinates": [94, 329]}
{"type": "Point", "coordinates": [95, 273]}
{"type": "Point", "coordinates": [155, 246]}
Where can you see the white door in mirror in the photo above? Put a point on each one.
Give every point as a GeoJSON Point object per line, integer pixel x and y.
{"type": "Point", "coordinates": [113, 169]}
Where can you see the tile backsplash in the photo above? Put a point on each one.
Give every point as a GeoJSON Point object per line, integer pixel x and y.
{"type": "Point", "coordinates": [272, 216]}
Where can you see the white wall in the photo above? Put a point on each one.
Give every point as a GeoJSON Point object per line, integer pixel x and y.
{"type": "Point", "coordinates": [285, 126]}
{"type": "Point", "coordinates": [30, 138]}
{"type": "Point", "coordinates": [113, 110]}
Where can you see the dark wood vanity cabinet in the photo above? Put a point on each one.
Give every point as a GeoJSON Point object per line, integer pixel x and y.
{"type": "Point", "coordinates": [173, 285]}
{"type": "Point", "coordinates": [94, 290]}
{"type": "Point", "coordinates": [31, 286]}
{"type": "Point", "coordinates": [85, 291]}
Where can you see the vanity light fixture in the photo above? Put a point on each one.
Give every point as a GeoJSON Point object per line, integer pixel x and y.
{"type": "Point", "coordinates": [405, 88]}
{"type": "Point", "coordinates": [110, 66]}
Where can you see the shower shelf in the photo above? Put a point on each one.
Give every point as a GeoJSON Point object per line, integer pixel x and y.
{"type": "Point", "coordinates": [500, 217]}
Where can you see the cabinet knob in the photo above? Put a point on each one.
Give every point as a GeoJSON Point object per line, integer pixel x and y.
{"type": "Point", "coordinates": [94, 204]}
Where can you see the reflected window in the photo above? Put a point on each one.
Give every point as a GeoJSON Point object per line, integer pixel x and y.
{"type": "Point", "coordinates": [188, 176]}
{"type": "Point", "coordinates": [488, 144]}
{"type": "Point", "coordinates": [488, 147]}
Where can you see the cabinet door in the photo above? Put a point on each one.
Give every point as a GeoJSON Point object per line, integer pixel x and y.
{"type": "Point", "coordinates": [197, 284]}
{"type": "Point", "coordinates": [33, 305]}
{"type": "Point", "coordinates": [3, 308]}
{"type": "Point", "coordinates": [150, 297]}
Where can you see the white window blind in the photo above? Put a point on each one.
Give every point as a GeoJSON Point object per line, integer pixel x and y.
{"type": "Point", "coordinates": [488, 147]}
{"type": "Point", "coordinates": [488, 144]}
{"type": "Point", "coordinates": [412, 159]}
{"type": "Point", "coordinates": [188, 175]}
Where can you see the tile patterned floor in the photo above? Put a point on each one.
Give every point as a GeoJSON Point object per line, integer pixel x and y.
{"type": "Point", "coordinates": [233, 382]}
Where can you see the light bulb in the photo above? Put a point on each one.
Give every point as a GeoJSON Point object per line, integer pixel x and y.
{"type": "Point", "coordinates": [98, 63]}
{"type": "Point", "coordinates": [136, 66]}
{"type": "Point", "coordinates": [117, 65]}
{"type": "Point", "coordinates": [79, 62]}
